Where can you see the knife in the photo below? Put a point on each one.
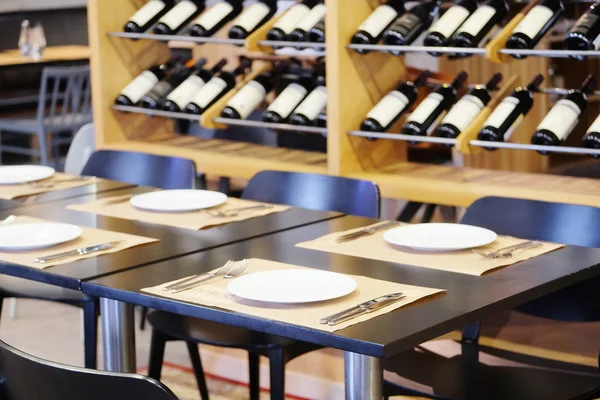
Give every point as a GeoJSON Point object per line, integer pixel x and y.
{"type": "Point", "coordinates": [363, 308]}
{"type": "Point", "coordinates": [367, 230]}
{"type": "Point", "coordinates": [80, 251]}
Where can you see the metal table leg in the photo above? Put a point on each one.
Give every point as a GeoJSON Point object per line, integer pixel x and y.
{"type": "Point", "coordinates": [118, 335]}
{"type": "Point", "coordinates": [364, 377]}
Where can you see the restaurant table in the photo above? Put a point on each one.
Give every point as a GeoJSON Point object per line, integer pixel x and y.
{"type": "Point", "coordinates": [51, 54]}
{"type": "Point", "coordinates": [467, 298]}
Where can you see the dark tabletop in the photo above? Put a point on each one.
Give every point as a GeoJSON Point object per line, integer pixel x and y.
{"type": "Point", "coordinates": [467, 298]}
{"type": "Point", "coordinates": [62, 194]}
{"type": "Point", "coordinates": [174, 242]}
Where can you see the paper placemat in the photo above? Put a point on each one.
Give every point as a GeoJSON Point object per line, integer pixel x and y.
{"type": "Point", "coordinates": [188, 220]}
{"type": "Point", "coordinates": [215, 294]}
{"type": "Point", "coordinates": [89, 237]}
{"type": "Point", "coordinates": [9, 192]}
{"type": "Point", "coordinates": [374, 247]}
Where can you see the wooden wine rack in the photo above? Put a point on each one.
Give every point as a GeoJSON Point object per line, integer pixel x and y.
{"type": "Point", "coordinates": [355, 84]}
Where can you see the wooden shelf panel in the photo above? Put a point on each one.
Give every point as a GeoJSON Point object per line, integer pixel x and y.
{"type": "Point", "coordinates": [452, 186]}
{"type": "Point", "coordinates": [229, 158]}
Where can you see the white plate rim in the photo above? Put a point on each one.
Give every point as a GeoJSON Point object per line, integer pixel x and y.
{"type": "Point", "coordinates": [77, 232]}
{"type": "Point", "coordinates": [50, 172]}
{"type": "Point", "coordinates": [493, 236]}
{"type": "Point", "coordinates": [134, 201]}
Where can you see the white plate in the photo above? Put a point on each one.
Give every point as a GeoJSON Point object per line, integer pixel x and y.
{"type": "Point", "coordinates": [178, 200]}
{"type": "Point", "coordinates": [439, 237]}
{"type": "Point", "coordinates": [36, 235]}
{"type": "Point", "coordinates": [292, 286]}
{"type": "Point", "coordinates": [15, 174]}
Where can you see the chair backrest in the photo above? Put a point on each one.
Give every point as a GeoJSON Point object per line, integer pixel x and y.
{"type": "Point", "coordinates": [316, 192]}
{"type": "Point", "coordinates": [142, 169]}
{"type": "Point", "coordinates": [68, 92]}
{"type": "Point", "coordinates": [25, 377]}
{"type": "Point", "coordinates": [81, 149]}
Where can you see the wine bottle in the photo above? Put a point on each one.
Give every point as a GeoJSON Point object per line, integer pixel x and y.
{"type": "Point", "coordinates": [466, 109]}
{"type": "Point", "coordinates": [213, 19]}
{"type": "Point", "coordinates": [501, 123]}
{"type": "Point", "coordinates": [321, 120]}
{"type": "Point", "coordinates": [179, 16]}
{"type": "Point", "coordinates": [317, 34]}
{"type": "Point", "coordinates": [249, 97]}
{"type": "Point", "coordinates": [585, 34]}
{"type": "Point", "coordinates": [562, 118]}
{"type": "Point", "coordinates": [155, 97]}
{"type": "Point", "coordinates": [477, 28]}
{"type": "Point", "coordinates": [534, 26]}
{"type": "Point", "coordinates": [422, 120]}
{"type": "Point", "coordinates": [147, 16]}
{"type": "Point", "coordinates": [306, 113]}
{"type": "Point", "coordinates": [411, 24]}
{"type": "Point", "coordinates": [442, 30]}
{"type": "Point", "coordinates": [143, 83]}
{"type": "Point", "coordinates": [179, 98]}
{"type": "Point", "coordinates": [393, 105]}
{"type": "Point", "coordinates": [252, 18]}
{"type": "Point", "coordinates": [300, 32]}
{"type": "Point", "coordinates": [288, 21]}
{"type": "Point", "coordinates": [287, 101]}
{"type": "Point", "coordinates": [371, 30]}
{"type": "Point", "coordinates": [216, 88]}
{"type": "Point", "coordinates": [591, 140]}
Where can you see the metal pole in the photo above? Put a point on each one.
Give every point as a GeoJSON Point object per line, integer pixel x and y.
{"type": "Point", "coordinates": [118, 335]}
{"type": "Point", "coordinates": [364, 377]}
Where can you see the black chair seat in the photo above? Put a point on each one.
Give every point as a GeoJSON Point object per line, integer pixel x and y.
{"type": "Point", "coordinates": [214, 333]}
{"type": "Point", "coordinates": [11, 286]}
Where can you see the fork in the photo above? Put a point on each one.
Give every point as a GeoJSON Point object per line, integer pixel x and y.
{"type": "Point", "coordinates": [507, 251]}
{"type": "Point", "coordinates": [219, 271]}
{"type": "Point", "coordinates": [231, 273]}
{"type": "Point", "coordinates": [234, 212]}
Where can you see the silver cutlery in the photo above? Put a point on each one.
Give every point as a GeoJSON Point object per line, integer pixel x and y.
{"type": "Point", "coordinates": [507, 252]}
{"type": "Point", "coordinates": [77, 252]}
{"type": "Point", "coordinates": [52, 183]}
{"type": "Point", "coordinates": [235, 269]}
{"type": "Point", "coordinates": [366, 231]}
{"type": "Point", "coordinates": [118, 199]}
{"type": "Point", "coordinates": [363, 308]}
{"type": "Point", "coordinates": [234, 212]}
{"type": "Point", "coordinates": [219, 271]}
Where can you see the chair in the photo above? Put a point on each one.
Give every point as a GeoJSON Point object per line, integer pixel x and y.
{"type": "Point", "coordinates": [25, 377]}
{"type": "Point", "coordinates": [135, 168]}
{"type": "Point", "coordinates": [81, 150]}
{"type": "Point", "coordinates": [63, 106]}
{"type": "Point", "coordinates": [318, 192]}
{"type": "Point", "coordinates": [536, 378]}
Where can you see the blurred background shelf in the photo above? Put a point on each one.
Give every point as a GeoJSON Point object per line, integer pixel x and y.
{"type": "Point", "coordinates": [270, 125]}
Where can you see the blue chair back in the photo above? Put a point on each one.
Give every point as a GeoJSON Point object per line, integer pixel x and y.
{"type": "Point", "coordinates": [142, 169]}
{"type": "Point", "coordinates": [315, 192]}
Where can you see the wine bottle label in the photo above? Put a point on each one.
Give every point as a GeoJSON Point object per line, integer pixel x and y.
{"type": "Point", "coordinates": [248, 98]}
{"type": "Point", "coordinates": [141, 85]}
{"type": "Point", "coordinates": [534, 21]}
{"type": "Point", "coordinates": [209, 92]}
{"type": "Point", "coordinates": [475, 23]}
{"type": "Point", "coordinates": [561, 119]}
{"type": "Point", "coordinates": [450, 21]}
{"type": "Point", "coordinates": [406, 23]}
{"type": "Point", "coordinates": [288, 21]}
{"type": "Point", "coordinates": [426, 107]}
{"type": "Point", "coordinates": [388, 108]}
{"type": "Point", "coordinates": [584, 23]}
{"type": "Point", "coordinates": [252, 16]}
{"type": "Point", "coordinates": [378, 20]}
{"type": "Point", "coordinates": [288, 100]}
{"type": "Point", "coordinates": [502, 112]}
{"type": "Point", "coordinates": [312, 18]}
{"type": "Point", "coordinates": [595, 127]}
{"type": "Point", "coordinates": [147, 12]}
{"type": "Point", "coordinates": [314, 103]}
{"type": "Point", "coordinates": [179, 14]}
{"type": "Point", "coordinates": [463, 112]}
{"type": "Point", "coordinates": [185, 92]}
{"type": "Point", "coordinates": [161, 88]}
{"type": "Point", "coordinates": [211, 17]}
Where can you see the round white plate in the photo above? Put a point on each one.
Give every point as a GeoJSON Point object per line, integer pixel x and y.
{"type": "Point", "coordinates": [439, 237]}
{"type": "Point", "coordinates": [178, 200]}
{"type": "Point", "coordinates": [36, 235]}
{"type": "Point", "coordinates": [292, 286]}
{"type": "Point", "coordinates": [15, 174]}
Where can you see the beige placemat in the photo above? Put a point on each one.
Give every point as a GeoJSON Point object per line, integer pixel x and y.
{"type": "Point", "coordinates": [215, 294]}
{"type": "Point", "coordinates": [188, 220]}
{"type": "Point", "coordinates": [374, 247]}
{"type": "Point", "coordinates": [89, 237]}
{"type": "Point", "coordinates": [9, 192]}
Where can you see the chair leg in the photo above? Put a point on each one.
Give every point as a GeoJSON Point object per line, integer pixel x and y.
{"type": "Point", "coordinates": [198, 370]}
{"type": "Point", "coordinates": [157, 354]}
{"type": "Point", "coordinates": [428, 214]}
{"type": "Point", "coordinates": [90, 329]}
{"type": "Point", "coordinates": [224, 185]}
{"type": "Point", "coordinates": [277, 374]}
{"type": "Point", "coordinates": [12, 308]}
{"type": "Point", "coordinates": [409, 211]}
{"type": "Point", "coordinates": [143, 314]}
{"type": "Point", "coordinates": [43, 147]}
{"type": "Point", "coordinates": [254, 374]}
